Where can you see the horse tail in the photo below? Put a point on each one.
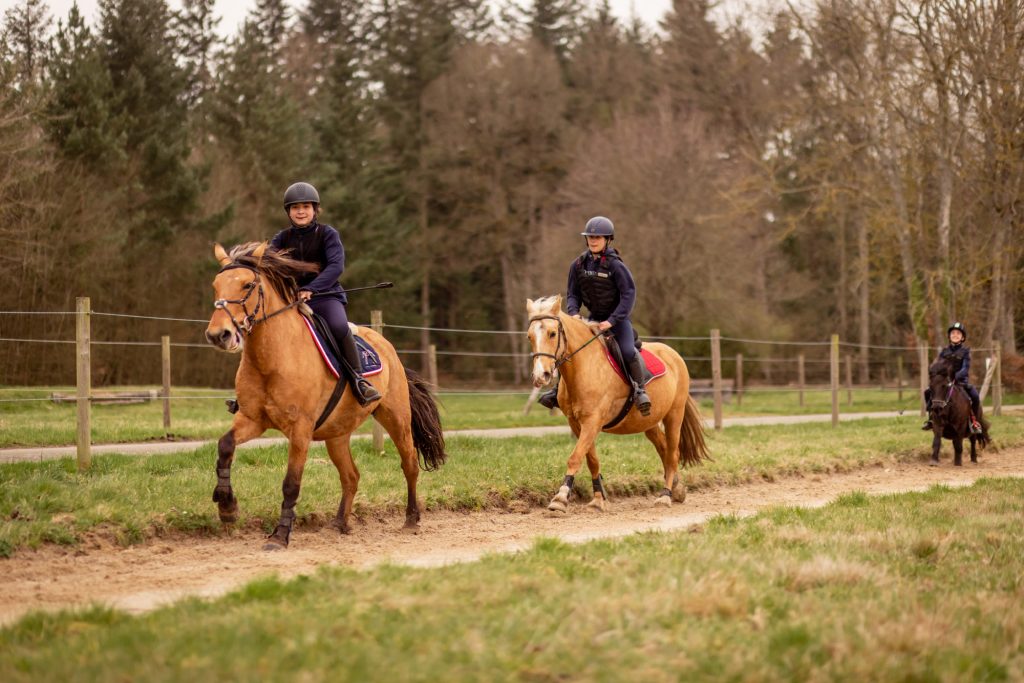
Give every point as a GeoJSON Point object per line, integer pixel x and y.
{"type": "Point", "coordinates": [427, 436]}
{"type": "Point", "coordinates": [692, 446]}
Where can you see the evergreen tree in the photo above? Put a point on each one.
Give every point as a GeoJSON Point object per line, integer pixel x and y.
{"type": "Point", "coordinates": [24, 37]}
{"type": "Point", "coordinates": [195, 27]}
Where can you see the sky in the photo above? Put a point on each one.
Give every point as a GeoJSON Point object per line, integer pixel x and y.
{"type": "Point", "coordinates": [232, 12]}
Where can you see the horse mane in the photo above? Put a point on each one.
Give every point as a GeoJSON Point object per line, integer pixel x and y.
{"type": "Point", "coordinates": [280, 269]}
{"type": "Point", "coordinates": [542, 305]}
{"type": "Point", "coordinates": [940, 367]}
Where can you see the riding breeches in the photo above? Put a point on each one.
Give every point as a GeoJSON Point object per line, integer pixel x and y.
{"type": "Point", "coordinates": [332, 310]}
{"type": "Point", "coordinates": [623, 333]}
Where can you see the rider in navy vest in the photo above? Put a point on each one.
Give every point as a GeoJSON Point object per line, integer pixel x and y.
{"type": "Point", "coordinates": [959, 355]}
{"type": "Point", "coordinates": [310, 241]}
{"type": "Point", "coordinates": [599, 280]}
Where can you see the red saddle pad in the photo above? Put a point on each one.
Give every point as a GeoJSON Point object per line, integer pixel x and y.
{"type": "Point", "coordinates": [653, 363]}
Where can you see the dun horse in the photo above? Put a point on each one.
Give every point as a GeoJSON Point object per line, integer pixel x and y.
{"type": "Point", "coordinates": [592, 396]}
{"type": "Point", "coordinates": [951, 415]}
{"type": "Point", "coordinates": [283, 382]}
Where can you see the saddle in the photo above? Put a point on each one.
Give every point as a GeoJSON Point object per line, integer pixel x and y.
{"type": "Point", "coordinates": [653, 368]}
{"type": "Point", "coordinates": [326, 344]}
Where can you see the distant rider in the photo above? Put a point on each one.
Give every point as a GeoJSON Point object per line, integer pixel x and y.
{"type": "Point", "coordinates": [959, 355]}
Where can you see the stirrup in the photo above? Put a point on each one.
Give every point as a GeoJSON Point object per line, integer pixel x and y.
{"type": "Point", "coordinates": [976, 426]}
{"type": "Point", "coordinates": [232, 405]}
{"type": "Point", "coordinates": [643, 402]}
{"type": "Point", "coordinates": [365, 392]}
{"type": "Point", "coordinates": [549, 399]}
{"type": "Point", "coordinates": [927, 426]}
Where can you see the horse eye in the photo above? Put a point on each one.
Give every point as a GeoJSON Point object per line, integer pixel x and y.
{"type": "Point", "coordinates": [551, 335]}
{"type": "Point", "coordinates": [250, 285]}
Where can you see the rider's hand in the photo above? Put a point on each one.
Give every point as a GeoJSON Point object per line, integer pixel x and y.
{"type": "Point", "coordinates": [604, 326]}
{"type": "Point", "coordinates": [577, 316]}
{"type": "Point", "coordinates": [305, 295]}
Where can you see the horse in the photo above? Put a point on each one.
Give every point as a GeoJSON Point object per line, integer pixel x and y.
{"type": "Point", "coordinates": [282, 382]}
{"type": "Point", "coordinates": [592, 395]}
{"type": "Point", "coordinates": [950, 413]}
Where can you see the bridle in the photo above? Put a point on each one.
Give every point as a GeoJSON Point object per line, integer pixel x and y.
{"type": "Point", "coordinates": [249, 320]}
{"type": "Point", "coordinates": [566, 356]}
{"type": "Point", "coordinates": [940, 405]}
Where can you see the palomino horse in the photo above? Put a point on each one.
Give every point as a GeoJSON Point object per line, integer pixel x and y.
{"type": "Point", "coordinates": [950, 413]}
{"type": "Point", "coordinates": [591, 395]}
{"type": "Point", "coordinates": [282, 382]}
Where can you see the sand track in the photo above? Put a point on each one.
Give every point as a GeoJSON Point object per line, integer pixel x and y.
{"type": "Point", "coordinates": [160, 571]}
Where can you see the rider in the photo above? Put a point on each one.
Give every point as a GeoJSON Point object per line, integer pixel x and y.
{"type": "Point", "coordinates": [599, 280]}
{"type": "Point", "coordinates": [312, 242]}
{"type": "Point", "coordinates": [959, 356]}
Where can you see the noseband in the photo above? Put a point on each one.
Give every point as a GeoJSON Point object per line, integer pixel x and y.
{"type": "Point", "coordinates": [250, 319]}
{"type": "Point", "coordinates": [941, 405]}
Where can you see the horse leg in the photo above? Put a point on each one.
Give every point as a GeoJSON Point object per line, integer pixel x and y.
{"type": "Point", "coordinates": [341, 455]}
{"type": "Point", "coordinates": [399, 428]}
{"type": "Point", "coordinates": [587, 435]}
{"type": "Point", "coordinates": [657, 437]}
{"type": "Point", "coordinates": [242, 429]}
{"type": "Point", "coordinates": [298, 450]}
{"type": "Point", "coordinates": [958, 451]}
{"type": "Point", "coordinates": [974, 448]}
{"type": "Point", "coordinates": [936, 447]}
{"type": "Point", "coordinates": [673, 423]}
{"type": "Point", "coordinates": [600, 500]}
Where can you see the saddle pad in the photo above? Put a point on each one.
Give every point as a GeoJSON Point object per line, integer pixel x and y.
{"type": "Point", "coordinates": [653, 363]}
{"type": "Point", "coordinates": [367, 355]}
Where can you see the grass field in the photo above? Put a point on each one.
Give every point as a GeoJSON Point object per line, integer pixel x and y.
{"type": "Point", "coordinates": [42, 422]}
{"type": "Point", "coordinates": [912, 587]}
{"type": "Point", "coordinates": [135, 497]}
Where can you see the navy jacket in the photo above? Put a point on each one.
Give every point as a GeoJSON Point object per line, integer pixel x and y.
{"type": "Point", "coordinates": [319, 244]}
{"type": "Point", "coordinates": [622, 278]}
{"type": "Point", "coordinates": [959, 355]}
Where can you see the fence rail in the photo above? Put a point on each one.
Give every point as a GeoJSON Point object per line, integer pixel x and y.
{"type": "Point", "coordinates": [84, 342]}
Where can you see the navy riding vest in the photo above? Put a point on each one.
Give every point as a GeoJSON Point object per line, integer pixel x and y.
{"type": "Point", "coordinates": [955, 356]}
{"type": "Point", "coordinates": [306, 244]}
{"type": "Point", "coordinates": [598, 290]}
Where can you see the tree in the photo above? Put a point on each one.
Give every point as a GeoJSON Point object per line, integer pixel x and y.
{"type": "Point", "coordinates": [24, 35]}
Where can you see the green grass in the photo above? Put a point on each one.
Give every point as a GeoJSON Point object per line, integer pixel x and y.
{"type": "Point", "coordinates": [42, 423]}
{"type": "Point", "coordinates": [911, 587]}
{"type": "Point", "coordinates": [133, 497]}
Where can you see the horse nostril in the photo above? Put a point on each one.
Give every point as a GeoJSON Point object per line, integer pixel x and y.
{"type": "Point", "coordinates": [225, 335]}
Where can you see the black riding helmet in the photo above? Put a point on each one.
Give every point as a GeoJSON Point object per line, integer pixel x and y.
{"type": "Point", "coordinates": [300, 193]}
{"type": "Point", "coordinates": [957, 326]}
{"type": "Point", "coordinates": [599, 226]}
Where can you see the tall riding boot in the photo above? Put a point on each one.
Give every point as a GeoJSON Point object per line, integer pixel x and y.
{"type": "Point", "coordinates": [976, 417]}
{"type": "Point", "coordinates": [642, 400]}
{"type": "Point", "coordinates": [363, 390]}
{"type": "Point", "coordinates": [549, 399]}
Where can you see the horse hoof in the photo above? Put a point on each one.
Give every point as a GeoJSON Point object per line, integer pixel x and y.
{"type": "Point", "coordinates": [557, 506]}
{"type": "Point", "coordinates": [933, 463]}
{"type": "Point", "coordinates": [663, 501]}
{"type": "Point", "coordinates": [679, 492]}
{"type": "Point", "coordinates": [598, 504]}
{"type": "Point", "coordinates": [341, 526]}
{"type": "Point", "coordinates": [229, 517]}
{"type": "Point", "coordinates": [273, 545]}
{"type": "Point", "coordinates": [411, 529]}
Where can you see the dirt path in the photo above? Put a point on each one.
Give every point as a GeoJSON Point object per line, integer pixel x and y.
{"type": "Point", "coordinates": [144, 577]}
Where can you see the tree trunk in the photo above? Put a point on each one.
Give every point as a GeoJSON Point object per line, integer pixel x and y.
{"type": "Point", "coordinates": [864, 274]}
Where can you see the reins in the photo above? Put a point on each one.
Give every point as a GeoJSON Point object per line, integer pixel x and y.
{"type": "Point", "coordinates": [559, 362]}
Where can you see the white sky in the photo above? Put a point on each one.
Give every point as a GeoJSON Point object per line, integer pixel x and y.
{"type": "Point", "coordinates": [232, 12]}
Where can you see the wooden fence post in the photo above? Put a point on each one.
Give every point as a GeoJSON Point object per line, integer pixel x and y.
{"type": "Point", "coordinates": [432, 365]}
{"type": "Point", "coordinates": [899, 378]}
{"type": "Point", "coordinates": [165, 357]}
{"type": "Point", "coordinates": [739, 379]}
{"type": "Point", "coordinates": [716, 375]}
{"type": "Point", "coordinates": [377, 323]}
{"type": "Point", "coordinates": [849, 380]}
{"type": "Point", "coordinates": [922, 359]}
{"type": "Point", "coordinates": [834, 378]}
{"type": "Point", "coordinates": [997, 381]}
{"type": "Point", "coordinates": [801, 376]}
{"type": "Point", "coordinates": [84, 381]}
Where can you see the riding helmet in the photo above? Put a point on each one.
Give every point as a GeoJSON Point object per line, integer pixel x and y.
{"type": "Point", "coordinates": [599, 226]}
{"type": "Point", "coordinates": [299, 193]}
{"type": "Point", "coordinates": [957, 326]}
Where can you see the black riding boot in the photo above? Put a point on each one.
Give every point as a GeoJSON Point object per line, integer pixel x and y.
{"type": "Point", "coordinates": [636, 371]}
{"type": "Point", "coordinates": [927, 410]}
{"type": "Point", "coordinates": [976, 412]}
{"type": "Point", "coordinates": [363, 390]}
{"type": "Point", "coordinates": [549, 399]}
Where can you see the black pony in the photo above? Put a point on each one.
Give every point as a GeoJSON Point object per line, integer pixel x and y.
{"type": "Point", "coordinates": [950, 413]}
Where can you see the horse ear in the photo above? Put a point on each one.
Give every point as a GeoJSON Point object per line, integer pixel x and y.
{"type": "Point", "coordinates": [221, 255]}
{"type": "Point", "coordinates": [556, 307]}
{"type": "Point", "coordinates": [258, 251]}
